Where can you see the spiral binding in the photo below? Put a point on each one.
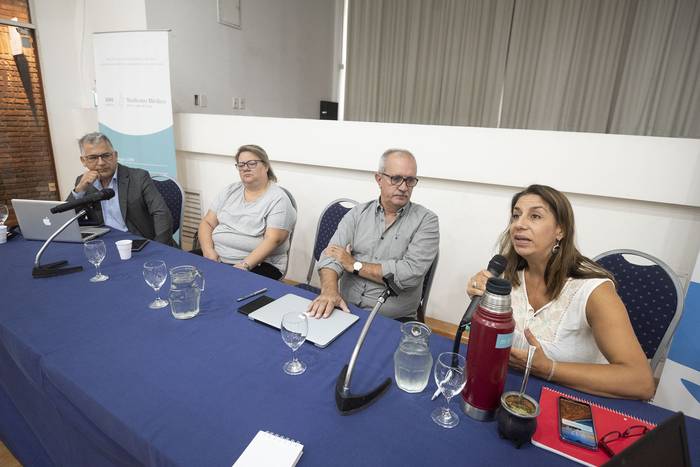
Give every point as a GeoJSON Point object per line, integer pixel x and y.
{"type": "Point", "coordinates": [282, 438]}
{"type": "Point", "coordinates": [601, 407]}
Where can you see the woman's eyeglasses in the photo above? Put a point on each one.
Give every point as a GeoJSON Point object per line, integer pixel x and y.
{"type": "Point", "coordinates": [250, 164]}
{"type": "Point", "coordinates": [397, 180]}
{"type": "Point", "coordinates": [635, 430]}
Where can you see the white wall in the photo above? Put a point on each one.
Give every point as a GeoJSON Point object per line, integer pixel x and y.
{"type": "Point", "coordinates": [64, 38]}
{"type": "Point", "coordinates": [655, 169]}
{"type": "Point", "coordinates": [468, 176]}
{"type": "Point", "coordinates": [281, 60]}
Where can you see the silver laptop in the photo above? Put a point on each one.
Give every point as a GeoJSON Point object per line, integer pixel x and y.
{"type": "Point", "coordinates": [37, 222]}
{"type": "Point", "coordinates": [321, 331]}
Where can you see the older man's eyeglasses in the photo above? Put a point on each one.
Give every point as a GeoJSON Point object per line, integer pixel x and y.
{"type": "Point", "coordinates": [634, 430]}
{"type": "Point", "coordinates": [398, 180]}
{"type": "Point", "coordinates": [250, 164]}
{"type": "Point", "coordinates": [92, 158]}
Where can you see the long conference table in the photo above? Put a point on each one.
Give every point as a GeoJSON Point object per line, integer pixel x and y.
{"type": "Point", "coordinates": [90, 376]}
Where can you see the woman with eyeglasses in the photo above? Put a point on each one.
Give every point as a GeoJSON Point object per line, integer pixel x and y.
{"type": "Point", "coordinates": [249, 222]}
{"type": "Point", "coordinates": [565, 304]}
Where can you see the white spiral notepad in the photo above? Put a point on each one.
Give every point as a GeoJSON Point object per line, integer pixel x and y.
{"type": "Point", "coordinates": [270, 450]}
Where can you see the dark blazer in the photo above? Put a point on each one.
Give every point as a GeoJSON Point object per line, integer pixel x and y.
{"type": "Point", "coordinates": [143, 209]}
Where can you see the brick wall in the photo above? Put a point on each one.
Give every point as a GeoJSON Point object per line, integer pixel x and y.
{"type": "Point", "coordinates": [26, 161]}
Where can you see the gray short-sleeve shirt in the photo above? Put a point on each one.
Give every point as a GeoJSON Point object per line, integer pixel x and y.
{"type": "Point", "coordinates": [242, 224]}
{"type": "Point", "coordinates": [405, 249]}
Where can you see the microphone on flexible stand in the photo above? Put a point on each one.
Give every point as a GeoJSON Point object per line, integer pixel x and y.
{"type": "Point", "coordinates": [348, 403]}
{"type": "Point", "coordinates": [57, 268]}
{"type": "Point", "coordinates": [101, 195]}
{"type": "Point", "coordinates": [496, 267]}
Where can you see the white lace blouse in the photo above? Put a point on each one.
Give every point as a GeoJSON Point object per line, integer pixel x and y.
{"type": "Point", "coordinates": [560, 325]}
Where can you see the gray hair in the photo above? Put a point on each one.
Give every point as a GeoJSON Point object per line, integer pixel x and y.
{"type": "Point", "coordinates": [94, 138]}
{"type": "Point", "coordinates": [390, 151]}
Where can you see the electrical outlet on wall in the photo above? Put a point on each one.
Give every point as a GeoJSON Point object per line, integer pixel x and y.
{"type": "Point", "coordinates": [203, 100]}
{"type": "Point", "coordinates": [236, 103]}
{"type": "Point", "coordinates": [241, 103]}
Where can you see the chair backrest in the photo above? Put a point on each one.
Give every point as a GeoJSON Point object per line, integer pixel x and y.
{"type": "Point", "coordinates": [427, 285]}
{"type": "Point", "coordinates": [291, 234]}
{"type": "Point", "coordinates": [653, 297]}
{"type": "Point", "coordinates": [174, 197]}
{"type": "Point", "coordinates": [327, 225]}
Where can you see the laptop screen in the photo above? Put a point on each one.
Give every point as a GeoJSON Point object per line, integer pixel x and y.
{"type": "Point", "coordinates": [38, 223]}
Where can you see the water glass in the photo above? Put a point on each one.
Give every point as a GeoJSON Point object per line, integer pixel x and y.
{"type": "Point", "coordinates": [450, 377]}
{"type": "Point", "coordinates": [96, 251]}
{"type": "Point", "coordinates": [294, 328]}
{"type": "Point", "coordinates": [155, 273]}
{"type": "Point", "coordinates": [4, 212]}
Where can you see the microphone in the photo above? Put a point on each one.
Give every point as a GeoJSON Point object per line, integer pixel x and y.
{"type": "Point", "coordinates": [107, 193]}
{"type": "Point", "coordinates": [391, 290]}
{"type": "Point", "coordinates": [496, 267]}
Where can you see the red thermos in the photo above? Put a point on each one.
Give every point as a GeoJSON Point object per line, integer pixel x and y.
{"type": "Point", "coordinates": [490, 338]}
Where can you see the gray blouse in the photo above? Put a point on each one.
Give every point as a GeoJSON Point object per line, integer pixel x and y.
{"type": "Point", "coordinates": [242, 224]}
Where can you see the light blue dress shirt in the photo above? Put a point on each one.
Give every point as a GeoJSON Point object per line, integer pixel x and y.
{"type": "Point", "coordinates": [111, 213]}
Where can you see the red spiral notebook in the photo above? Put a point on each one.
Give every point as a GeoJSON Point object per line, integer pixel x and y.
{"type": "Point", "coordinates": [605, 420]}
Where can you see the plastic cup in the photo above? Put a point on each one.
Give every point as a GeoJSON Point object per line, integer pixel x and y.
{"type": "Point", "coordinates": [124, 248]}
{"type": "Point", "coordinates": [3, 233]}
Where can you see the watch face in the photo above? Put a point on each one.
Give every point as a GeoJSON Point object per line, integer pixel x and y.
{"type": "Point", "coordinates": [357, 266]}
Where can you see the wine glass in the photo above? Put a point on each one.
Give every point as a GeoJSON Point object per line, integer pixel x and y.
{"type": "Point", "coordinates": [155, 273]}
{"type": "Point", "coordinates": [4, 212]}
{"type": "Point", "coordinates": [450, 376]}
{"type": "Point", "coordinates": [95, 251]}
{"type": "Point", "coordinates": [295, 327]}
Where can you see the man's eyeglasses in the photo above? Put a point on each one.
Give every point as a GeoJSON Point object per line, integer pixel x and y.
{"type": "Point", "coordinates": [250, 164]}
{"type": "Point", "coordinates": [398, 180]}
{"type": "Point", "coordinates": [93, 157]}
{"type": "Point", "coordinates": [635, 430]}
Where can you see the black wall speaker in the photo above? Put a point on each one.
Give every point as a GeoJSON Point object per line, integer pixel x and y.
{"type": "Point", "coordinates": [329, 110]}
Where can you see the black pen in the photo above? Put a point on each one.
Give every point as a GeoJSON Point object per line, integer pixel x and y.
{"type": "Point", "coordinates": [252, 294]}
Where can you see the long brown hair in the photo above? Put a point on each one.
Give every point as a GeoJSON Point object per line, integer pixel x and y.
{"type": "Point", "coordinates": [565, 263]}
{"type": "Point", "coordinates": [260, 152]}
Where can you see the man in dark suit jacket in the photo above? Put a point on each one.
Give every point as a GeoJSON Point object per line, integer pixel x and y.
{"type": "Point", "coordinates": [138, 206]}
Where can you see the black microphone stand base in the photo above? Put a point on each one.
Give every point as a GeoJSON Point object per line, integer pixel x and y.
{"type": "Point", "coordinates": [54, 269]}
{"type": "Point", "coordinates": [350, 403]}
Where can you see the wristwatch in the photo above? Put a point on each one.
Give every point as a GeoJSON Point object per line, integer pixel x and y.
{"type": "Point", "coordinates": [356, 266]}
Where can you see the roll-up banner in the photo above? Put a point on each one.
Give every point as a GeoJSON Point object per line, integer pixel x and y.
{"type": "Point", "coordinates": [134, 107]}
{"type": "Point", "coordinates": [679, 388]}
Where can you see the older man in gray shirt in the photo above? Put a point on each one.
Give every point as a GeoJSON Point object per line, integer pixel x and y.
{"type": "Point", "coordinates": [388, 235]}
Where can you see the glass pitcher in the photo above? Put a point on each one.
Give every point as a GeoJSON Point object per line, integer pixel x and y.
{"type": "Point", "coordinates": [186, 286]}
{"type": "Point", "coordinates": [412, 360]}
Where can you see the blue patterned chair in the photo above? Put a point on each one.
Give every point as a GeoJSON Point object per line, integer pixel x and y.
{"type": "Point", "coordinates": [653, 297]}
{"type": "Point", "coordinates": [327, 225]}
{"type": "Point", "coordinates": [427, 285]}
{"type": "Point", "coordinates": [174, 197]}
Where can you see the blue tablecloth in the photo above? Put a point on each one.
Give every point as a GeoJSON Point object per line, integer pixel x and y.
{"type": "Point", "coordinates": [90, 376]}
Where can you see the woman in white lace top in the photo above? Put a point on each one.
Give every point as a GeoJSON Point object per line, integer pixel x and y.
{"type": "Point", "coordinates": [565, 304]}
